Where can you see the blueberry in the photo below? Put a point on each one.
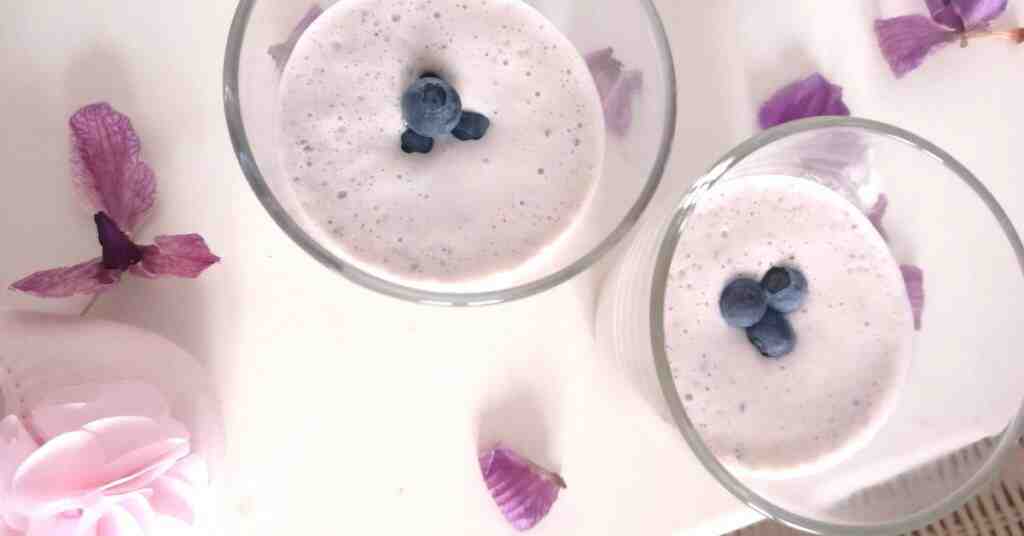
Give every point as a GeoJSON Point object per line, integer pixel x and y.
{"type": "Point", "coordinates": [414, 143]}
{"type": "Point", "coordinates": [473, 126]}
{"type": "Point", "coordinates": [742, 303]}
{"type": "Point", "coordinates": [431, 107]}
{"type": "Point", "coordinates": [773, 336]}
{"type": "Point", "coordinates": [786, 288]}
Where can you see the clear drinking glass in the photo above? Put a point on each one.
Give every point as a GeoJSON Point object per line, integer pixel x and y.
{"type": "Point", "coordinates": [632, 169]}
{"type": "Point", "coordinates": [958, 414]}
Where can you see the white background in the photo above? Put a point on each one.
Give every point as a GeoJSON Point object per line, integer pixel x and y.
{"type": "Point", "coordinates": [351, 413]}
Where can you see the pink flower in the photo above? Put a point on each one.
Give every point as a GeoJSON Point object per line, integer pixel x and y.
{"type": "Point", "coordinates": [98, 460]}
{"type": "Point", "coordinates": [110, 174]}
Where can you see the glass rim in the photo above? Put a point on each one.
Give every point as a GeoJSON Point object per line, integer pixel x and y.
{"type": "Point", "coordinates": [668, 239]}
{"type": "Point", "coordinates": [251, 171]}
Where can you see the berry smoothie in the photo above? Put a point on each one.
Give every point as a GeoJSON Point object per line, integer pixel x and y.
{"type": "Point", "coordinates": [818, 375]}
{"type": "Point", "coordinates": [441, 208]}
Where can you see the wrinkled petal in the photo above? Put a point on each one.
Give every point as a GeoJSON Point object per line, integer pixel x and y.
{"type": "Point", "coordinates": [906, 41]}
{"type": "Point", "coordinates": [175, 255]}
{"type": "Point", "coordinates": [104, 453]}
{"type": "Point", "coordinates": [523, 491]}
{"type": "Point", "coordinates": [282, 51]}
{"type": "Point", "coordinates": [877, 212]}
{"type": "Point", "coordinates": [107, 167]}
{"type": "Point", "coordinates": [913, 278]}
{"type": "Point", "coordinates": [618, 110]}
{"type": "Point", "coordinates": [119, 252]}
{"type": "Point", "coordinates": [89, 277]}
{"type": "Point", "coordinates": [72, 408]}
{"type": "Point", "coordinates": [605, 69]}
{"type": "Point", "coordinates": [174, 498]}
{"type": "Point", "coordinates": [813, 96]}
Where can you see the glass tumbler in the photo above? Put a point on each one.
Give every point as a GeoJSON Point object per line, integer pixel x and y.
{"type": "Point", "coordinates": [956, 414]}
{"type": "Point", "coordinates": [632, 167]}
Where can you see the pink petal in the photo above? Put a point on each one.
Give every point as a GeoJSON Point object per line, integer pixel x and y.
{"type": "Point", "coordinates": [618, 109]}
{"type": "Point", "coordinates": [523, 491]}
{"type": "Point", "coordinates": [89, 277]}
{"type": "Point", "coordinates": [192, 470]}
{"type": "Point", "coordinates": [72, 408]}
{"type": "Point", "coordinates": [282, 51]}
{"type": "Point", "coordinates": [106, 164]}
{"type": "Point", "coordinates": [175, 255]}
{"type": "Point", "coordinates": [906, 41]}
{"type": "Point", "coordinates": [105, 453]}
{"type": "Point", "coordinates": [877, 212]}
{"type": "Point", "coordinates": [174, 498]}
{"type": "Point", "coordinates": [138, 507]}
{"type": "Point", "coordinates": [913, 278]}
{"type": "Point", "coordinates": [61, 525]}
{"type": "Point", "coordinates": [813, 96]}
{"type": "Point", "coordinates": [119, 522]}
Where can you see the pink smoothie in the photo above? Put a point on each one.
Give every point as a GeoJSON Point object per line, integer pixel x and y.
{"type": "Point", "coordinates": [820, 403]}
{"type": "Point", "coordinates": [467, 210]}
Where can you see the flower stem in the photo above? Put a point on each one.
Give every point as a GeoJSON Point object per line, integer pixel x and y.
{"type": "Point", "coordinates": [88, 306]}
{"type": "Point", "coordinates": [1015, 35]}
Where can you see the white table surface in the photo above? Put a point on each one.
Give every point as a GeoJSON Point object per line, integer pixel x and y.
{"type": "Point", "coordinates": [348, 412]}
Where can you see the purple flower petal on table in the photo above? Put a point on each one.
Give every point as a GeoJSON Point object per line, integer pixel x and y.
{"type": "Point", "coordinates": [913, 278]}
{"type": "Point", "coordinates": [107, 167]}
{"type": "Point", "coordinates": [943, 13]}
{"type": "Point", "coordinates": [175, 255]}
{"type": "Point", "coordinates": [282, 51]}
{"type": "Point", "coordinates": [618, 109]}
{"type": "Point", "coordinates": [877, 212]}
{"type": "Point", "coordinates": [523, 491]}
{"type": "Point", "coordinates": [978, 13]}
{"type": "Point", "coordinates": [906, 41]}
{"type": "Point", "coordinates": [813, 96]}
{"type": "Point", "coordinates": [119, 252]}
{"type": "Point", "coordinates": [605, 69]}
{"type": "Point", "coordinates": [89, 277]}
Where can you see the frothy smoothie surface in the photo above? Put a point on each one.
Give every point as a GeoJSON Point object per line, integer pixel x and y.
{"type": "Point", "coordinates": [854, 330]}
{"type": "Point", "coordinates": [468, 209]}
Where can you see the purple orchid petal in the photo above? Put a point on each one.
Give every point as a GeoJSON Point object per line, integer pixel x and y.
{"type": "Point", "coordinates": [89, 277]}
{"type": "Point", "coordinates": [944, 14]}
{"type": "Point", "coordinates": [177, 256]}
{"type": "Point", "coordinates": [282, 51]}
{"type": "Point", "coordinates": [106, 164]}
{"type": "Point", "coordinates": [906, 41]}
{"type": "Point", "coordinates": [813, 96]}
{"type": "Point", "coordinates": [523, 491]}
{"type": "Point", "coordinates": [119, 252]}
{"type": "Point", "coordinates": [605, 69]}
{"type": "Point", "coordinates": [618, 110]}
{"type": "Point", "coordinates": [616, 88]}
{"type": "Point", "coordinates": [913, 278]}
{"type": "Point", "coordinates": [978, 13]}
{"type": "Point", "coordinates": [877, 212]}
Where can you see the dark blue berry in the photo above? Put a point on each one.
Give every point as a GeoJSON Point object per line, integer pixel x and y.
{"type": "Point", "coordinates": [414, 143]}
{"type": "Point", "coordinates": [119, 252]}
{"type": "Point", "coordinates": [431, 107]}
{"type": "Point", "coordinates": [786, 288]}
{"type": "Point", "coordinates": [742, 303]}
{"type": "Point", "coordinates": [472, 126]}
{"type": "Point", "coordinates": [773, 336]}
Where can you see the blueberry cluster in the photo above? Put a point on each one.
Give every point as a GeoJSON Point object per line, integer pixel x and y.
{"type": "Point", "coordinates": [760, 308]}
{"type": "Point", "coordinates": [431, 108]}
